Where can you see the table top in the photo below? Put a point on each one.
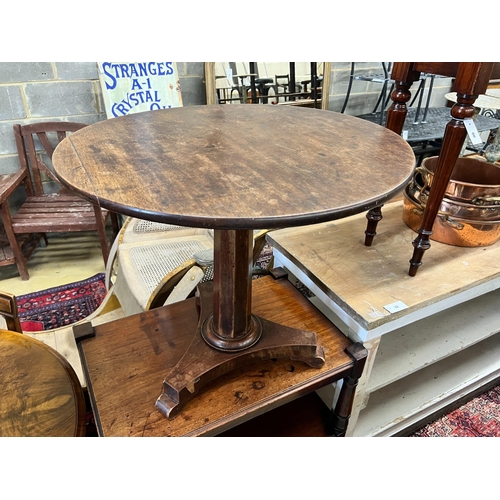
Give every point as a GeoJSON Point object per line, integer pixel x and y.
{"type": "Point", "coordinates": [128, 359]}
{"type": "Point", "coordinates": [483, 101]}
{"type": "Point", "coordinates": [435, 124]}
{"type": "Point", "coordinates": [235, 167]}
{"type": "Point", "coordinates": [370, 278]}
{"type": "Point", "coordinates": [41, 394]}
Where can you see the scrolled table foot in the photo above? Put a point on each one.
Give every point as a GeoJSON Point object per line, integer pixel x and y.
{"type": "Point", "coordinates": [202, 363]}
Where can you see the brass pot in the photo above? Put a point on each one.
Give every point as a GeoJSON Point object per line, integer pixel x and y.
{"type": "Point", "coordinates": [452, 230]}
{"type": "Point", "coordinates": [473, 180]}
{"type": "Point", "coordinates": [454, 208]}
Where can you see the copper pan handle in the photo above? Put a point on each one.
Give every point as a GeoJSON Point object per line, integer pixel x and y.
{"type": "Point", "coordinates": [486, 200]}
{"type": "Point", "coordinates": [454, 224]}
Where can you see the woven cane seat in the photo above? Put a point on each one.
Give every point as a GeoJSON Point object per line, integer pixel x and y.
{"type": "Point", "coordinates": [138, 230]}
{"type": "Point", "coordinates": [144, 266]}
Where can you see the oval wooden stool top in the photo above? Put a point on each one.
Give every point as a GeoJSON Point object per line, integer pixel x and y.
{"type": "Point", "coordinates": [41, 394]}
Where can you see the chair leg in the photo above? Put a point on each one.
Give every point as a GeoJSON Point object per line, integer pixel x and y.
{"type": "Point", "coordinates": [111, 262]}
{"type": "Point", "coordinates": [14, 243]}
{"type": "Point", "coordinates": [101, 230]}
{"type": "Point", "coordinates": [114, 224]}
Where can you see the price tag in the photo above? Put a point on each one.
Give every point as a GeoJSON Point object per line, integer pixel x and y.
{"type": "Point", "coordinates": [405, 135]}
{"type": "Point", "coordinates": [470, 126]}
{"type": "Point", "coordinates": [395, 307]}
{"type": "Point", "coordinates": [229, 74]}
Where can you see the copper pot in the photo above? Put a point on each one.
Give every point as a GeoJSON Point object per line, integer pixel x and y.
{"type": "Point", "coordinates": [473, 180]}
{"type": "Point", "coordinates": [454, 208]}
{"type": "Point", "coordinates": [452, 230]}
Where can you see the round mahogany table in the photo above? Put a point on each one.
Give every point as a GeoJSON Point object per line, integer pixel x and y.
{"type": "Point", "coordinates": [41, 394]}
{"type": "Point", "coordinates": [236, 168]}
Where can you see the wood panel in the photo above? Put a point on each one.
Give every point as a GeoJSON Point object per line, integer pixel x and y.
{"type": "Point", "coordinates": [362, 280]}
{"type": "Point", "coordinates": [128, 359]}
{"type": "Point", "coordinates": [41, 395]}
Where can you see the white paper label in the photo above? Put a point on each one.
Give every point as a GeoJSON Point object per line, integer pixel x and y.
{"type": "Point", "coordinates": [229, 74]}
{"type": "Point", "coordinates": [405, 135]}
{"type": "Point", "coordinates": [472, 131]}
{"type": "Point", "coordinates": [395, 307]}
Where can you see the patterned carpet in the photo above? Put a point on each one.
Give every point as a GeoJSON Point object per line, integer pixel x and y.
{"type": "Point", "coordinates": [480, 417]}
{"type": "Point", "coordinates": [62, 305]}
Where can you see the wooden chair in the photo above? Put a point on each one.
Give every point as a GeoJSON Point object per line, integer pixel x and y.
{"type": "Point", "coordinates": [43, 211]}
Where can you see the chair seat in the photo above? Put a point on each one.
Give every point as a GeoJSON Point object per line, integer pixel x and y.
{"type": "Point", "coordinates": [137, 230]}
{"type": "Point", "coordinates": [55, 213]}
{"type": "Point", "coordinates": [142, 266]}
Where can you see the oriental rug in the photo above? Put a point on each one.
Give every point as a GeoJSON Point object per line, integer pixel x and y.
{"type": "Point", "coordinates": [480, 417]}
{"type": "Point", "coordinates": [62, 305]}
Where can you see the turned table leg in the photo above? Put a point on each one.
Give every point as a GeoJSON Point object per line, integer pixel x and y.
{"type": "Point", "coordinates": [396, 115]}
{"type": "Point", "coordinates": [453, 140]}
{"type": "Point", "coordinates": [343, 408]}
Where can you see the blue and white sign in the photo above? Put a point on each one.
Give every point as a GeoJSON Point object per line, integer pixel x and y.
{"type": "Point", "coordinates": [139, 86]}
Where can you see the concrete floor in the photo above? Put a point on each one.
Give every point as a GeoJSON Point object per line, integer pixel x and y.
{"type": "Point", "coordinates": [67, 258]}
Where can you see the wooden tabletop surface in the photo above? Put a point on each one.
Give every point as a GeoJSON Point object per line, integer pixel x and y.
{"type": "Point", "coordinates": [235, 167]}
{"type": "Point", "coordinates": [41, 394]}
{"type": "Point", "coordinates": [367, 279]}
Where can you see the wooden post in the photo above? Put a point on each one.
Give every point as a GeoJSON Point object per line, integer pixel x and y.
{"type": "Point", "coordinates": [210, 89]}
{"type": "Point", "coordinates": [325, 93]}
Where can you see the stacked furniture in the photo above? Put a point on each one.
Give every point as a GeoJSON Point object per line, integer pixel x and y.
{"type": "Point", "coordinates": [471, 79]}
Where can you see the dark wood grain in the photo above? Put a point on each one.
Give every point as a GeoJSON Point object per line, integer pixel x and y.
{"type": "Point", "coordinates": [235, 167]}
{"type": "Point", "coordinates": [8, 309]}
{"type": "Point", "coordinates": [127, 360]}
{"type": "Point", "coordinates": [41, 394]}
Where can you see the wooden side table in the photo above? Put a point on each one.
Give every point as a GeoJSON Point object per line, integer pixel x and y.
{"type": "Point", "coordinates": [234, 169]}
{"type": "Point", "coordinates": [41, 394]}
{"type": "Point", "coordinates": [126, 361]}
{"type": "Point", "coordinates": [471, 79]}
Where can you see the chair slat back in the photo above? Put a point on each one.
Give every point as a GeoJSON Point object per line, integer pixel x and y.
{"type": "Point", "coordinates": [30, 159]}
